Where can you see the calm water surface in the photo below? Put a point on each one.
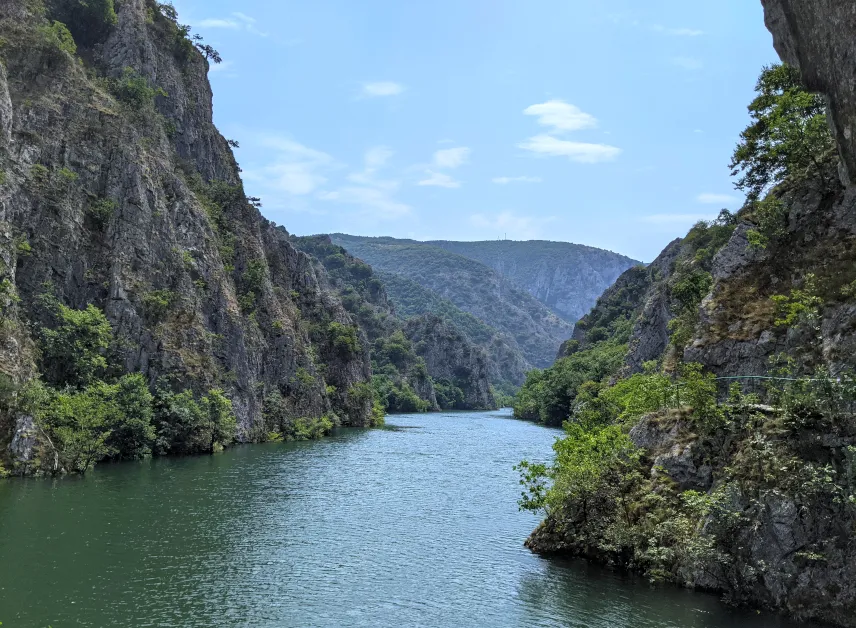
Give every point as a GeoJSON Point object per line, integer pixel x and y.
{"type": "Point", "coordinates": [414, 525]}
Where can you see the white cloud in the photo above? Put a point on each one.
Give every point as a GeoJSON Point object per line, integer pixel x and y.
{"type": "Point", "coordinates": [581, 152]}
{"type": "Point", "coordinates": [507, 180]}
{"type": "Point", "coordinates": [439, 179]}
{"type": "Point", "coordinates": [716, 199]}
{"type": "Point", "coordinates": [561, 116]}
{"type": "Point", "coordinates": [375, 196]}
{"type": "Point", "coordinates": [377, 157]}
{"type": "Point", "coordinates": [521, 227]}
{"type": "Point", "coordinates": [451, 157]}
{"type": "Point", "coordinates": [296, 169]}
{"type": "Point", "coordinates": [376, 202]}
{"type": "Point", "coordinates": [244, 17]}
{"type": "Point", "coordinates": [237, 21]}
{"type": "Point", "coordinates": [673, 219]}
{"type": "Point", "coordinates": [679, 32]}
{"type": "Point", "coordinates": [687, 63]}
{"type": "Point", "coordinates": [382, 88]}
{"type": "Point", "coordinates": [219, 23]}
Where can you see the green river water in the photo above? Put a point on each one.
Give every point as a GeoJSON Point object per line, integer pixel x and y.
{"type": "Point", "coordinates": [412, 525]}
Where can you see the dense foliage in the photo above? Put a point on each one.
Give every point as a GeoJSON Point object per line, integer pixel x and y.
{"type": "Point", "coordinates": [789, 136]}
{"type": "Point", "coordinates": [84, 413]}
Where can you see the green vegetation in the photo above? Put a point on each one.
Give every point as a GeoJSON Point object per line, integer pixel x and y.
{"type": "Point", "coordinates": [691, 278]}
{"type": "Point", "coordinates": [101, 211]}
{"type": "Point", "coordinates": [608, 501]}
{"type": "Point", "coordinates": [134, 90]}
{"type": "Point", "coordinates": [58, 35]}
{"type": "Point", "coordinates": [473, 287]}
{"type": "Point", "coordinates": [158, 302]}
{"type": "Point", "coordinates": [789, 136]}
{"type": "Point", "coordinates": [84, 414]}
{"type": "Point", "coordinates": [661, 472]}
{"type": "Point", "coordinates": [283, 426]}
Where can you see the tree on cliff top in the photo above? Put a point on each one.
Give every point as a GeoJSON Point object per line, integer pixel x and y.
{"type": "Point", "coordinates": [788, 137]}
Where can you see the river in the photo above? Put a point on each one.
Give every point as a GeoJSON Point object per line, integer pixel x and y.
{"type": "Point", "coordinates": [415, 524]}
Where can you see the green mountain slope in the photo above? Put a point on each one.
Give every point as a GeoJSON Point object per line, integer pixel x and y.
{"type": "Point", "coordinates": [472, 287]}
{"type": "Point", "coordinates": [566, 277]}
{"type": "Point", "coordinates": [507, 366]}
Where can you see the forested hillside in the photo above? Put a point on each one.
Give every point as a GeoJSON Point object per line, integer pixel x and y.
{"type": "Point", "coordinates": [455, 377]}
{"type": "Point", "coordinates": [471, 287]}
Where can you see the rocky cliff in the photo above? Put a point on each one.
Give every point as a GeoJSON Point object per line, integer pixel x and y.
{"type": "Point", "coordinates": [452, 361]}
{"type": "Point", "coordinates": [116, 189]}
{"type": "Point", "coordinates": [426, 355]}
{"type": "Point", "coordinates": [743, 297]}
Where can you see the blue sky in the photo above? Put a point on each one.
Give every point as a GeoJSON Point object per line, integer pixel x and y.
{"type": "Point", "coordinates": [606, 123]}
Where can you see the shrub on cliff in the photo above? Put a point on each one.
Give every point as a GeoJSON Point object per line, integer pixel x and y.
{"type": "Point", "coordinates": [74, 347]}
{"type": "Point", "coordinates": [789, 135]}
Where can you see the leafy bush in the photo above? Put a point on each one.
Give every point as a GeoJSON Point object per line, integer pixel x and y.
{"type": "Point", "coordinates": [134, 90]}
{"type": "Point", "coordinates": [81, 427]}
{"type": "Point", "coordinates": [449, 396]}
{"type": "Point", "coordinates": [158, 302]}
{"type": "Point", "coordinates": [58, 36]}
{"type": "Point", "coordinates": [397, 396]}
{"type": "Point", "coordinates": [73, 349]}
{"type": "Point", "coordinates": [187, 425]}
{"type": "Point", "coordinates": [344, 339]}
{"type": "Point", "coordinates": [101, 211]}
{"type": "Point", "coordinates": [789, 135]}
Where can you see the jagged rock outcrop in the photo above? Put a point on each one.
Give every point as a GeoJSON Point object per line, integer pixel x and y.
{"type": "Point", "coordinates": [121, 194]}
{"type": "Point", "coordinates": [452, 359]}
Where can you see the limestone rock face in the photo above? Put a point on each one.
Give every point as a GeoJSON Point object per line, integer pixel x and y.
{"type": "Point", "coordinates": [247, 310]}
{"type": "Point", "coordinates": [449, 356]}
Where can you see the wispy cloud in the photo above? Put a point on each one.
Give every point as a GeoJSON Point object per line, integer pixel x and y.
{"type": "Point", "coordinates": [440, 180]}
{"type": "Point", "coordinates": [521, 227]}
{"type": "Point", "coordinates": [562, 118]}
{"type": "Point", "coordinates": [295, 169]}
{"type": "Point", "coordinates": [678, 32]}
{"type": "Point", "coordinates": [675, 219]}
{"type": "Point", "coordinates": [581, 152]}
{"type": "Point", "coordinates": [507, 180]}
{"type": "Point", "coordinates": [687, 63]}
{"type": "Point", "coordinates": [374, 195]}
{"type": "Point", "coordinates": [375, 202]}
{"type": "Point", "coordinates": [716, 199]}
{"type": "Point", "coordinates": [237, 21]}
{"type": "Point", "coordinates": [451, 157]}
{"type": "Point", "coordinates": [382, 88]}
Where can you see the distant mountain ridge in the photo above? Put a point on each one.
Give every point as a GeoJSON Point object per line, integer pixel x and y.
{"type": "Point", "coordinates": [466, 275]}
{"type": "Point", "coordinates": [568, 278]}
